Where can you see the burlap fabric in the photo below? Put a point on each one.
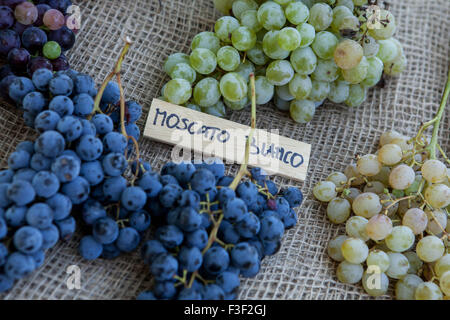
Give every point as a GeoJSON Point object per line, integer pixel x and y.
{"type": "Point", "coordinates": [301, 269]}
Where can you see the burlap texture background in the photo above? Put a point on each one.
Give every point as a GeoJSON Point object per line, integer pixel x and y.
{"type": "Point", "coordinates": [301, 269]}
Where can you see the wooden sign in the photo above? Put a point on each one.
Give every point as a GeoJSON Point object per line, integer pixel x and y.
{"type": "Point", "coordinates": [190, 130]}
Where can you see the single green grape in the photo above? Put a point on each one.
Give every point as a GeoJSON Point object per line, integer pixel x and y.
{"type": "Point", "coordinates": [243, 38]}
{"type": "Point", "coordinates": [193, 107]}
{"type": "Point", "coordinates": [281, 104]}
{"type": "Point", "coordinates": [304, 60]}
{"type": "Point", "coordinates": [203, 61]}
{"type": "Point", "coordinates": [183, 71]}
{"type": "Point", "coordinates": [302, 111]}
{"type": "Point", "coordinates": [370, 47]}
{"type": "Point", "coordinates": [374, 72]}
{"type": "Point", "coordinates": [307, 33]}
{"type": "Point", "coordinates": [356, 95]}
{"type": "Point", "coordinates": [300, 86]}
{"type": "Point", "coordinates": [257, 55]}
{"type": "Point", "coordinates": [249, 19]}
{"type": "Point", "coordinates": [320, 16]}
{"type": "Point", "coordinates": [319, 90]}
{"type": "Point", "coordinates": [284, 93]}
{"type": "Point", "coordinates": [357, 74]}
{"type": "Point", "coordinates": [279, 72]}
{"type": "Point", "coordinates": [233, 87]}
{"type": "Point", "coordinates": [271, 47]}
{"type": "Point", "coordinates": [52, 50]}
{"type": "Point", "coordinates": [297, 13]}
{"type": "Point", "coordinates": [396, 67]}
{"type": "Point", "coordinates": [240, 6]}
{"type": "Point", "coordinates": [339, 13]}
{"type": "Point", "coordinates": [206, 40]}
{"type": "Point", "coordinates": [348, 3]}
{"type": "Point", "coordinates": [349, 272]}
{"type": "Point", "coordinates": [245, 69]}
{"type": "Point", "coordinates": [217, 109]}
{"type": "Point", "coordinates": [289, 39]}
{"type": "Point", "coordinates": [178, 91]}
{"type": "Point", "coordinates": [228, 58]}
{"type": "Point", "coordinates": [385, 30]}
{"type": "Point", "coordinates": [237, 105]}
{"type": "Point", "coordinates": [375, 284]}
{"type": "Point", "coordinates": [224, 6]}
{"type": "Point", "coordinates": [206, 92]}
{"type": "Point", "coordinates": [324, 44]}
{"type": "Point", "coordinates": [175, 59]}
{"type": "Point", "coordinates": [326, 70]}
{"type": "Point", "coordinates": [264, 90]}
{"type": "Point", "coordinates": [224, 27]}
{"type": "Point", "coordinates": [349, 26]}
{"type": "Point", "coordinates": [271, 16]}
{"type": "Point", "coordinates": [388, 50]}
{"type": "Point", "coordinates": [339, 91]}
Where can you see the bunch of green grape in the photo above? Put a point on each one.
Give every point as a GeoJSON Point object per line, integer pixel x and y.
{"type": "Point", "coordinates": [301, 52]}
{"type": "Point", "coordinates": [400, 227]}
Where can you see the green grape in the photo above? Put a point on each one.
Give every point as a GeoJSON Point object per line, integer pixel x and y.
{"type": "Point", "coordinates": [359, 2]}
{"type": "Point", "coordinates": [338, 209]}
{"type": "Point", "coordinates": [348, 54]}
{"type": "Point", "coordinates": [375, 284]}
{"type": "Point", "coordinates": [405, 288]}
{"type": "Point", "coordinates": [237, 105]}
{"type": "Point", "coordinates": [338, 178]}
{"type": "Point", "coordinates": [243, 38]}
{"type": "Point", "coordinates": [178, 91]}
{"type": "Point", "coordinates": [367, 205]}
{"type": "Point", "coordinates": [349, 273]}
{"type": "Point", "coordinates": [257, 55]}
{"type": "Point", "coordinates": [398, 265]}
{"type": "Point", "coordinates": [355, 250]}
{"type": "Point", "coordinates": [357, 74]}
{"type": "Point", "coordinates": [297, 13]}
{"type": "Point", "coordinates": [444, 283]}
{"type": "Point", "coordinates": [281, 104]}
{"type": "Point", "coordinates": [264, 90]}
{"type": "Point", "coordinates": [428, 291]}
{"type": "Point", "coordinates": [271, 47]}
{"type": "Point", "coordinates": [173, 60]}
{"type": "Point", "coordinates": [325, 44]}
{"type": "Point", "coordinates": [51, 50]}
{"type": "Point", "coordinates": [374, 72]}
{"type": "Point", "coordinates": [228, 58]}
{"type": "Point", "coordinates": [249, 19]}
{"type": "Point", "coordinates": [271, 16]}
{"type": "Point", "coordinates": [224, 6]}
{"type": "Point", "coordinates": [326, 70]}
{"type": "Point", "coordinates": [320, 16]}
{"type": "Point", "coordinates": [385, 30]}
{"type": "Point", "coordinates": [324, 191]}
{"type": "Point", "coordinates": [245, 69]}
{"type": "Point", "coordinates": [356, 96]}
{"type": "Point", "coordinates": [217, 110]}
{"type": "Point", "coordinates": [300, 86]}
{"type": "Point", "coordinates": [206, 40]}
{"type": "Point", "coordinates": [396, 67]}
{"type": "Point", "coordinates": [289, 39]}
{"type": "Point", "coordinates": [334, 248]}
{"type": "Point", "coordinates": [375, 186]}
{"type": "Point", "coordinates": [339, 91]}
{"type": "Point", "coordinates": [401, 239]}
{"type": "Point", "coordinates": [307, 33]}
{"type": "Point", "coordinates": [434, 171]}
{"type": "Point", "coordinates": [233, 87]}
{"type": "Point", "coordinates": [370, 47]}
{"type": "Point", "coordinates": [430, 249]}
{"type": "Point", "coordinates": [348, 3]}
{"type": "Point", "coordinates": [183, 71]}
{"type": "Point", "coordinates": [356, 226]}
{"type": "Point", "coordinates": [279, 72]}
{"type": "Point", "coordinates": [319, 91]}
{"type": "Point", "coordinates": [339, 13]}
{"type": "Point", "coordinates": [388, 50]}
{"type": "Point", "coordinates": [284, 93]}
{"type": "Point", "coordinates": [193, 107]}
{"type": "Point", "coordinates": [203, 61]}
{"type": "Point", "coordinates": [283, 2]}
{"type": "Point", "coordinates": [240, 6]}
{"type": "Point", "coordinates": [206, 92]}
{"type": "Point", "coordinates": [438, 195]}
{"type": "Point", "coordinates": [415, 264]}
{"type": "Point", "coordinates": [378, 258]}
{"type": "Point", "coordinates": [304, 61]}
{"type": "Point", "coordinates": [302, 111]}
{"type": "Point", "coordinates": [224, 27]}
{"type": "Point", "coordinates": [442, 265]}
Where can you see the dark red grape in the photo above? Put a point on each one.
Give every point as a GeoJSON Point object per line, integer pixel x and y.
{"type": "Point", "coordinates": [6, 17]}
{"type": "Point", "coordinates": [19, 28]}
{"type": "Point", "coordinates": [34, 39]}
{"type": "Point", "coordinates": [64, 36]}
{"type": "Point", "coordinates": [4, 85]}
{"type": "Point", "coordinates": [60, 5]}
{"type": "Point", "coordinates": [42, 9]}
{"type": "Point", "coordinates": [60, 63]}
{"type": "Point", "coordinates": [18, 58]}
{"type": "Point", "coordinates": [9, 39]}
{"type": "Point", "coordinates": [38, 63]}
{"type": "Point", "coordinates": [5, 71]}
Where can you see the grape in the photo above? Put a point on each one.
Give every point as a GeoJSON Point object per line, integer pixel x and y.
{"type": "Point", "coordinates": [349, 273]}
{"type": "Point", "coordinates": [51, 50]}
{"type": "Point", "coordinates": [289, 39]}
{"type": "Point", "coordinates": [257, 55]}
{"type": "Point", "coordinates": [271, 47]}
{"type": "Point", "coordinates": [351, 172]}
{"type": "Point", "coordinates": [375, 284]}
{"type": "Point", "coordinates": [319, 91]}
{"type": "Point", "coordinates": [396, 67]}
{"type": "Point", "coordinates": [368, 165]}
{"type": "Point", "coordinates": [357, 74]}
{"type": "Point", "coordinates": [415, 219]}
{"type": "Point", "coordinates": [339, 13]}
{"type": "Point", "coordinates": [240, 6]}
{"type": "Point", "coordinates": [430, 249]}
{"type": "Point", "coordinates": [444, 283]}
{"type": "Point", "coordinates": [245, 69]}
{"type": "Point", "coordinates": [284, 93]}
{"type": "Point", "coordinates": [249, 19]}
{"type": "Point", "coordinates": [233, 87]}
{"type": "Point", "coordinates": [320, 16]}
{"type": "Point", "coordinates": [378, 258]}
{"type": "Point", "coordinates": [415, 264]}
{"type": "Point", "coordinates": [6, 17]}
{"type": "Point", "coordinates": [428, 291]}
{"type": "Point", "coordinates": [206, 40]}
{"type": "Point", "coordinates": [64, 36]}
{"type": "Point", "coordinates": [325, 191]}
{"type": "Point", "coordinates": [401, 177]}
{"type": "Point", "coordinates": [367, 205]}
{"type": "Point", "coordinates": [347, 3]}
{"type": "Point", "coordinates": [243, 38]}
{"type": "Point", "coordinates": [388, 51]}
{"type": "Point", "coordinates": [18, 59]}
{"type": "Point", "coordinates": [279, 72]}
{"type": "Point", "coordinates": [338, 178]}
{"type": "Point", "coordinates": [300, 87]}
{"type": "Point", "coordinates": [183, 71]}
{"type": "Point", "coordinates": [434, 171]}
{"type": "Point", "coordinates": [375, 187]}
{"type": "Point", "coordinates": [385, 30]}
{"type": "Point", "coordinates": [53, 19]}
{"type": "Point", "coordinates": [271, 16]}
{"type": "Point", "coordinates": [405, 288]}
{"type": "Point", "coordinates": [224, 6]}
{"type": "Point", "coordinates": [264, 90]}
{"type": "Point", "coordinates": [238, 105]}
{"type": "Point", "coordinates": [304, 61]}
{"type": "Point", "coordinates": [33, 39]}
{"type": "Point", "coordinates": [302, 111]}
{"type": "Point", "coordinates": [26, 13]}
{"type": "Point", "coordinates": [437, 222]}
{"type": "Point", "coordinates": [379, 227]}
{"type": "Point", "coordinates": [339, 91]}
{"type": "Point", "coordinates": [370, 47]}
{"type": "Point", "coordinates": [228, 58]}
{"type": "Point", "coordinates": [388, 136]}
{"type": "Point", "coordinates": [325, 44]}
{"type": "Point", "coordinates": [297, 13]}
{"type": "Point", "coordinates": [207, 92]}
{"type": "Point", "coordinates": [203, 61]}
{"type": "Point", "coordinates": [326, 70]}
{"type": "Point", "coordinates": [307, 34]}
{"type": "Point", "coordinates": [398, 266]}
{"type": "Point", "coordinates": [348, 54]}
{"type": "Point", "coordinates": [178, 91]}
{"type": "Point", "coordinates": [334, 248]}
{"type": "Point", "coordinates": [224, 27]}
{"type": "Point", "coordinates": [356, 226]}
{"type": "Point", "coordinates": [338, 210]}
{"type": "Point", "coordinates": [438, 195]}
{"type": "Point", "coordinates": [355, 250]}
{"type": "Point", "coordinates": [281, 104]}
{"type": "Point", "coordinates": [390, 154]}
{"type": "Point", "coordinates": [401, 239]}
{"type": "Point", "coordinates": [403, 142]}
{"type": "Point", "coordinates": [442, 265]}
{"type": "Point", "coordinates": [374, 72]}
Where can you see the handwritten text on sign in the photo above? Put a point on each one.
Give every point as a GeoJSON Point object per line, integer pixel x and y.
{"type": "Point", "coordinates": [212, 136]}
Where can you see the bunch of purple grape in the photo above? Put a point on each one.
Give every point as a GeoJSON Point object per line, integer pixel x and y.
{"type": "Point", "coordinates": [35, 36]}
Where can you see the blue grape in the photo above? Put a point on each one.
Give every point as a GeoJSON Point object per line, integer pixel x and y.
{"type": "Point", "coordinates": [169, 168]}
{"type": "Point", "coordinates": [140, 220]}
{"type": "Point", "coordinates": [19, 88]}
{"type": "Point", "coordinates": [46, 184]}
{"type": "Point", "coordinates": [228, 233]}
{"type": "Point", "coordinates": [183, 172]}
{"type": "Point", "coordinates": [88, 127]}
{"type": "Point", "coordinates": [197, 238]}
{"type": "Point", "coordinates": [271, 247]}
{"type": "Point", "coordinates": [203, 181]}
{"type": "Point", "coordinates": [228, 281]}
{"type": "Point", "coordinates": [168, 179]}
{"type": "Point", "coordinates": [61, 206]}
{"type": "Point", "coordinates": [213, 292]}
{"type": "Point", "coordinates": [41, 79]}
{"type": "Point", "coordinates": [62, 105]}
{"type": "Point", "coordinates": [15, 216]}
{"type": "Point", "coordinates": [169, 195]}
{"type": "Point", "coordinates": [294, 196]}
{"type": "Point", "coordinates": [190, 199]}
{"type": "Point", "coordinates": [189, 294]}
{"type": "Point", "coordinates": [188, 219]}
{"type": "Point", "coordinates": [61, 85]}
{"type": "Point", "coordinates": [114, 164]}
{"type": "Point", "coordinates": [150, 183]}
{"type": "Point", "coordinates": [225, 194]}
{"type": "Point", "coordinates": [151, 249]}
{"type": "Point", "coordinates": [115, 142]}
{"type": "Point", "coordinates": [19, 265]}
{"type": "Point", "coordinates": [39, 162]}
{"type": "Point", "coordinates": [50, 236]}
{"type": "Point", "coordinates": [66, 168]}
{"type": "Point", "coordinates": [92, 171]}
{"type": "Point", "coordinates": [33, 39]}
{"type": "Point", "coordinates": [39, 258]}
{"type": "Point", "coordinates": [6, 17]}
{"type": "Point", "coordinates": [19, 159]}
{"type": "Point", "coordinates": [128, 239]}
{"type": "Point", "coordinates": [27, 146]}
{"type": "Point", "coordinates": [133, 198]}
{"type": "Point", "coordinates": [5, 201]}
{"type": "Point", "coordinates": [249, 226]}
{"type": "Point", "coordinates": [164, 289]}
{"type": "Point", "coordinates": [40, 216]}
{"type": "Point", "coordinates": [83, 83]}
{"type": "Point", "coordinates": [50, 143]}
{"type": "Point", "coordinates": [21, 192]}
{"type": "Point", "coordinates": [111, 95]}
{"type": "Point", "coordinates": [6, 283]}
{"type": "Point", "coordinates": [64, 36]}
{"type": "Point", "coordinates": [216, 260]}
{"type": "Point", "coordinates": [272, 228]}
{"type": "Point", "coordinates": [46, 120]}
{"type": "Point", "coordinates": [83, 105]}
{"type": "Point", "coordinates": [89, 148]}
{"type": "Point", "coordinates": [105, 230]}
{"type": "Point", "coordinates": [92, 211]}
{"type": "Point", "coordinates": [113, 188]}
{"type": "Point", "coordinates": [70, 127]}
{"type": "Point", "coordinates": [252, 271]}
{"type": "Point", "coordinates": [66, 228]}
{"type": "Point", "coordinates": [170, 236]}
{"type": "Point", "coordinates": [110, 251]}
{"type": "Point", "coordinates": [9, 40]}
{"type": "Point", "coordinates": [89, 248]}
{"type": "Point", "coordinates": [26, 174]}
{"type": "Point", "coordinates": [244, 256]}
{"type": "Point", "coordinates": [247, 191]}
{"type": "Point", "coordinates": [134, 111]}
{"type": "Point", "coordinates": [6, 175]}
{"type": "Point", "coordinates": [77, 190]}
{"type": "Point", "coordinates": [216, 166]}
{"type": "Point", "coordinates": [133, 130]}
{"type": "Point", "coordinates": [34, 102]}
{"type": "Point", "coordinates": [144, 167]}
{"type": "Point", "coordinates": [164, 267]}
{"type": "Point", "coordinates": [5, 84]}
{"type": "Point", "coordinates": [172, 216]}
{"type": "Point", "coordinates": [103, 123]}
{"type": "Point", "coordinates": [234, 210]}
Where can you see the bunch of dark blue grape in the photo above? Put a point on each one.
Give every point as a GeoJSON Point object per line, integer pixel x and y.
{"type": "Point", "coordinates": [75, 165]}
{"type": "Point", "coordinates": [34, 36]}
{"type": "Point", "coordinates": [208, 234]}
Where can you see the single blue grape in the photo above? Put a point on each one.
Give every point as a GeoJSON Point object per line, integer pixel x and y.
{"type": "Point", "coordinates": [92, 211]}
{"type": "Point", "coordinates": [89, 148]}
{"type": "Point", "coordinates": [34, 102]}
{"type": "Point", "coordinates": [128, 239]}
{"type": "Point", "coordinates": [46, 184]}
{"type": "Point", "coordinates": [188, 219]}
{"type": "Point", "coordinates": [294, 196]}
{"type": "Point", "coordinates": [66, 168]}
{"type": "Point", "coordinates": [6, 282]}
{"type": "Point", "coordinates": [105, 230]}
{"type": "Point", "coordinates": [83, 83]}
{"type": "Point", "coordinates": [249, 226]}
{"type": "Point", "coordinates": [272, 228]}
{"type": "Point", "coordinates": [40, 162]}
{"type": "Point", "coordinates": [114, 164]}
{"type": "Point", "coordinates": [19, 159]}
{"type": "Point", "coordinates": [15, 216]}
{"type": "Point", "coordinates": [113, 188]}
{"type": "Point", "coordinates": [88, 128]}
{"type": "Point", "coordinates": [168, 179]}
{"type": "Point", "coordinates": [111, 95]}
{"type": "Point", "coordinates": [169, 195]}
{"type": "Point", "coordinates": [216, 166]}
{"type": "Point", "coordinates": [66, 228]}
{"type": "Point", "coordinates": [103, 123]}
{"type": "Point", "coordinates": [213, 292]}
{"type": "Point", "coordinates": [164, 289]}
{"type": "Point", "coordinates": [183, 172]}
{"type": "Point", "coordinates": [19, 88]}
{"type": "Point", "coordinates": [62, 105]}
{"type": "Point", "coordinates": [244, 256]}
{"type": "Point", "coordinates": [133, 198]}
{"type": "Point", "coordinates": [203, 181]}
{"type": "Point", "coordinates": [228, 281]}
{"type": "Point", "coordinates": [33, 39]}
{"type": "Point", "coordinates": [271, 247]}
{"type": "Point", "coordinates": [134, 111]}
{"type": "Point", "coordinates": [110, 251]}
{"type": "Point", "coordinates": [83, 105]}
{"type": "Point", "coordinates": [27, 146]}
{"type": "Point", "coordinates": [6, 175]}
{"type": "Point", "coordinates": [26, 174]}
{"type": "Point", "coordinates": [234, 210]}
{"type": "Point", "coordinates": [19, 265]}
{"type": "Point", "coordinates": [150, 183]}
{"type": "Point", "coordinates": [40, 215]}
{"type": "Point", "coordinates": [247, 191]}
{"type": "Point", "coordinates": [140, 220]}
{"type": "Point", "coordinates": [50, 236]}
{"type": "Point", "coordinates": [50, 143]}
{"type": "Point", "coordinates": [41, 79]}
{"type": "Point", "coordinates": [133, 130]}
{"type": "Point", "coordinates": [170, 236]}
{"type": "Point", "coordinates": [228, 233]}
{"type": "Point", "coordinates": [189, 198]}
{"type": "Point", "coordinates": [70, 127]}
{"type": "Point", "coordinates": [252, 271]}
{"type": "Point", "coordinates": [225, 194]}
{"type": "Point", "coordinates": [77, 190]}
{"type": "Point", "coordinates": [61, 206]}
{"type": "Point", "coordinates": [61, 85]}
{"type": "Point", "coordinates": [92, 171]}
{"type": "Point", "coordinates": [216, 260]}
{"type": "Point", "coordinates": [21, 192]}
{"type": "Point", "coordinates": [46, 120]}
{"type": "Point", "coordinates": [151, 249]}
{"type": "Point", "coordinates": [164, 267]}
{"type": "Point", "coordinates": [115, 142]}
{"type": "Point", "coordinates": [39, 258]}
{"type": "Point", "coordinates": [197, 238]}
{"type": "Point", "coordinates": [169, 168]}
{"type": "Point", "coordinates": [89, 248]}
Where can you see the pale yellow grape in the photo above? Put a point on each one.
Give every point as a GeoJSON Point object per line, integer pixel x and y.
{"type": "Point", "coordinates": [349, 26]}
{"type": "Point", "coordinates": [240, 6]}
{"type": "Point", "coordinates": [249, 19]}
{"type": "Point", "coordinates": [388, 136]}
{"type": "Point", "coordinates": [430, 249]}
{"type": "Point", "coordinates": [442, 265]}
{"type": "Point", "coordinates": [398, 265]}
{"type": "Point", "coordinates": [319, 91]}
{"type": "Point", "coordinates": [349, 272]}
{"type": "Point", "coordinates": [357, 74]}
{"type": "Point", "coordinates": [302, 111]}
{"type": "Point", "coordinates": [264, 90]}
{"type": "Point", "coordinates": [416, 219]}
{"type": "Point", "coordinates": [434, 171]}
{"type": "Point", "coordinates": [228, 58]}
{"type": "Point", "coordinates": [271, 16]}
{"type": "Point", "coordinates": [206, 92]}
{"type": "Point", "coordinates": [178, 91]}
{"type": "Point", "coordinates": [382, 176]}
{"type": "Point", "coordinates": [203, 60]}
{"type": "Point", "coordinates": [338, 210]}
{"type": "Point", "coordinates": [281, 104]}
{"type": "Point", "coordinates": [352, 194]}
{"type": "Point", "coordinates": [320, 16]}
{"type": "Point", "coordinates": [296, 13]}
{"type": "Point", "coordinates": [390, 154]}
{"type": "Point", "coordinates": [370, 47]}
{"type": "Point", "coordinates": [367, 205]}
{"type": "Point", "coordinates": [374, 72]}
{"type": "Point", "coordinates": [348, 3]}
{"type": "Point", "coordinates": [173, 60]}
{"type": "Point", "coordinates": [386, 30]}
{"type": "Point", "coordinates": [304, 61]}
{"type": "Point", "coordinates": [271, 47]}
{"type": "Point", "coordinates": [396, 67]}
{"type": "Point", "coordinates": [368, 165]}
{"type": "Point", "coordinates": [352, 172]}
{"type": "Point", "coordinates": [233, 86]}
{"type": "Point", "coordinates": [444, 283]}
{"type": "Point", "coordinates": [378, 258]}
{"type": "Point", "coordinates": [224, 27]}
{"type": "Point", "coordinates": [375, 284]}
{"type": "Point", "coordinates": [334, 248]}
{"type": "Point", "coordinates": [379, 227]}
{"type": "Point", "coordinates": [428, 291]}
{"type": "Point", "coordinates": [325, 44]}
{"type": "Point", "coordinates": [245, 69]}
{"type": "Point", "coordinates": [356, 226]}
{"type": "Point", "coordinates": [237, 105]}
{"type": "Point", "coordinates": [355, 250]}
{"type": "Point", "coordinates": [183, 71]}
{"type": "Point", "coordinates": [339, 91]}
{"type": "Point", "coordinates": [405, 288]}
{"type": "Point", "coordinates": [289, 39]}
{"type": "Point", "coordinates": [388, 50]}
{"type": "Point", "coordinates": [348, 54]}
{"type": "Point", "coordinates": [284, 93]}
{"type": "Point", "coordinates": [437, 222]}
{"type": "Point", "coordinates": [400, 239]}
{"type": "Point", "coordinates": [338, 178]}
{"type": "Point", "coordinates": [325, 191]}
{"type": "Point", "coordinates": [375, 187]}
{"type": "Point", "coordinates": [206, 40]}
{"type": "Point", "coordinates": [415, 264]}
{"type": "Point", "coordinates": [356, 95]}
{"type": "Point", "coordinates": [243, 38]}
{"type": "Point", "coordinates": [402, 177]}
{"type": "Point", "coordinates": [326, 70]}
{"type": "Point", "coordinates": [438, 195]}
{"type": "Point", "coordinates": [405, 205]}
{"type": "Point", "coordinates": [279, 72]}
{"type": "Point", "coordinates": [300, 86]}
{"type": "Point", "coordinates": [339, 13]}
{"type": "Point", "coordinates": [403, 143]}
{"type": "Point", "coordinates": [224, 6]}
{"type": "Point", "coordinates": [307, 33]}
